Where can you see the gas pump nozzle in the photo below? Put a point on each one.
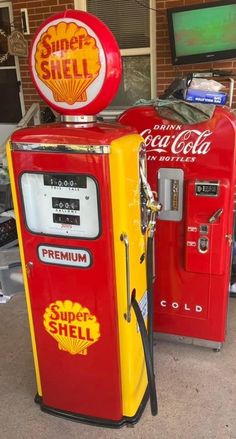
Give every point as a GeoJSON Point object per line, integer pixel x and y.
{"type": "Point", "coordinates": [152, 205]}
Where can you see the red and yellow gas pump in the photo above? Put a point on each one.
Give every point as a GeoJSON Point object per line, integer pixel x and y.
{"type": "Point", "coordinates": [82, 206]}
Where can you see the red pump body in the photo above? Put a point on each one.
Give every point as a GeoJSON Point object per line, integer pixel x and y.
{"type": "Point", "coordinates": [80, 225]}
{"type": "Point", "coordinates": [59, 371]}
{"type": "Point", "coordinates": [192, 167]}
{"type": "Point", "coordinates": [73, 262]}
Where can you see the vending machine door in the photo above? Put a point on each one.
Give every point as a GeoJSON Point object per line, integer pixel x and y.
{"type": "Point", "coordinates": [206, 226]}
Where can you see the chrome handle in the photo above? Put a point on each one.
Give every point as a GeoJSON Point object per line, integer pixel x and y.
{"type": "Point", "coordinates": [29, 267]}
{"type": "Point", "coordinates": [215, 216]}
{"type": "Point", "coordinates": [124, 238]}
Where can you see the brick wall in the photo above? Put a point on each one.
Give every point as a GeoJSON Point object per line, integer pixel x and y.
{"type": "Point", "coordinates": [166, 72]}
{"type": "Point", "coordinates": [38, 11]}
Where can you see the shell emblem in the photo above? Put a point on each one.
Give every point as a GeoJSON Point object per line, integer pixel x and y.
{"type": "Point", "coordinates": [72, 326]}
{"type": "Point", "coordinates": [67, 61]}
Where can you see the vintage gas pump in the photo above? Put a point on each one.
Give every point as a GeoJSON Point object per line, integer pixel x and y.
{"type": "Point", "coordinates": [192, 167]}
{"type": "Point", "coordinates": [83, 207]}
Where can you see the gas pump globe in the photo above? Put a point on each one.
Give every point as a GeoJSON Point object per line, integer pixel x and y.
{"type": "Point", "coordinates": [84, 210]}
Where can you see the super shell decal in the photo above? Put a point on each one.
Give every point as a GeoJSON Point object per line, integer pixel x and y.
{"type": "Point", "coordinates": [75, 63]}
{"type": "Point", "coordinates": [67, 61]}
{"type": "Point", "coordinates": [73, 327]}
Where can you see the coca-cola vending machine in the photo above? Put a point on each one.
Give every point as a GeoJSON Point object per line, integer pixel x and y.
{"type": "Point", "coordinates": [192, 168]}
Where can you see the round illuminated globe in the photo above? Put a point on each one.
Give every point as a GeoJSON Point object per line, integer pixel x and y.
{"type": "Point", "coordinates": [75, 63]}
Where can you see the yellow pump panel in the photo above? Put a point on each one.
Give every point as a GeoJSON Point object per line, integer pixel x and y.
{"type": "Point", "coordinates": [127, 220]}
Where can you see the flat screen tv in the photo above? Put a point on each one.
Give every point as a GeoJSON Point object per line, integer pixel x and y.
{"type": "Point", "coordinates": [202, 33]}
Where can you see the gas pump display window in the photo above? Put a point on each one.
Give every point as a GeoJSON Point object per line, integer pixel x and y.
{"type": "Point", "coordinates": [72, 181]}
{"type": "Point", "coordinates": [61, 204]}
{"type": "Point", "coordinates": [65, 203]}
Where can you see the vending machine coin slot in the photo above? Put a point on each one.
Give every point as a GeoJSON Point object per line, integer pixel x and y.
{"type": "Point", "coordinates": [204, 228]}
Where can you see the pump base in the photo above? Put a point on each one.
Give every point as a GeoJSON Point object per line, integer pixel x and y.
{"type": "Point", "coordinates": [215, 345]}
{"type": "Point", "coordinates": [98, 422]}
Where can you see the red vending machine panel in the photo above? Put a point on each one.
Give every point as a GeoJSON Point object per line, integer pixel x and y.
{"type": "Point", "coordinates": [192, 168]}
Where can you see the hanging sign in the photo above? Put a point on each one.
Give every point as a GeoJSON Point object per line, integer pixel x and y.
{"type": "Point", "coordinates": [75, 63]}
{"type": "Point", "coordinates": [17, 45]}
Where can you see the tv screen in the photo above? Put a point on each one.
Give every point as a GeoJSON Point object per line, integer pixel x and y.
{"type": "Point", "coordinates": [203, 33]}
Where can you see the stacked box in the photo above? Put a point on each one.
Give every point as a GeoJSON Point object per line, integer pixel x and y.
{"type": "Point", "coordinates": [206, 97]}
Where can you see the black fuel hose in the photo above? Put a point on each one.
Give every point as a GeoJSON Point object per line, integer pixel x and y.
{"type": "Point", "coordinates": [147, 334]}
{"type": "Point", "coordinates": [148, 357]}
{"type": "Point", "coordinates": [150, 271]}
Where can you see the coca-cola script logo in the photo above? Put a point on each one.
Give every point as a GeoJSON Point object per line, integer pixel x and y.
{"type": "Point", "coordinates": [185, 141]}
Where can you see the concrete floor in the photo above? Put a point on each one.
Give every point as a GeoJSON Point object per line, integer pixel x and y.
{"type": "Point", "coordinates": [196, 389]}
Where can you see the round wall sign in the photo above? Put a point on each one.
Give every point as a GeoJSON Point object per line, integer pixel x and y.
{"type": "Point", "coordinates": [75, 63]}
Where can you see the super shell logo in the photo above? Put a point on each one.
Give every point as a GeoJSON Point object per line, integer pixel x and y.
{"type": "Point", "coordinates": [72, 326]}
{"type": "Point", "coordinates": [67, 61]}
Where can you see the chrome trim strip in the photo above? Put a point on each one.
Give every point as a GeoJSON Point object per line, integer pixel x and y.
{"type": "Point", "coordinates": [79, 149]}
{"type": "Point", "coordinates": [78, 119]}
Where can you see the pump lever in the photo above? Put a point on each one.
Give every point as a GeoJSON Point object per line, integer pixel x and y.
{"type": "Point", "coordinates": [215, 216]}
